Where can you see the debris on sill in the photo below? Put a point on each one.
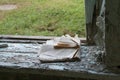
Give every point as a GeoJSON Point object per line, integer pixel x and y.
{"type": "Point", "coordinates": [65, 48]}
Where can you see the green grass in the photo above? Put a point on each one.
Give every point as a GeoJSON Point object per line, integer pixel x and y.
{"type": "Point", "coordinates": [43, 17]}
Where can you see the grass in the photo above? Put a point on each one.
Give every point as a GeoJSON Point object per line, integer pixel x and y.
{"type": "Point", "coordinates": [43, 17]}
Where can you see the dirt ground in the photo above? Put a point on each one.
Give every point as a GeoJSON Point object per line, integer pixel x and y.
{"type": "Point", "coordinates": [8, 7]}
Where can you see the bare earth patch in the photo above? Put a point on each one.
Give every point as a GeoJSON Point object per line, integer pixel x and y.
{"type": "Point", "coordinates": [8, 7]}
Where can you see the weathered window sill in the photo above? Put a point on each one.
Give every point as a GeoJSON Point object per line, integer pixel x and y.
{"type": "Point", "coordinates": [21, 57]}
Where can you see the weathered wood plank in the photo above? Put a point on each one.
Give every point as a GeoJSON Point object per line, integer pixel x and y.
{"type": "Point", "coordinates": [91, 14]}
{"type": "Point", "coordinates": [112, 33]}
{"type": "Point", "coordinates": [18, 38]}
{"type": "Point", "coordinates": [89, 8]}
{"type": "Point", "coordinates": [22, 41]}
{"type": "Point", "coordinates": [23, 58]}
{"type": "Point", "coordinates": [21, 47]}
{"type": "Point", "coordinates": [26, 37]}
{"type": "Point", "coordinates": [28, 63]}
{"type": "Point", "coordinates": [100, 35]}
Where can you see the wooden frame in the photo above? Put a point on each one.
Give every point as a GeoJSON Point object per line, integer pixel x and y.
{"type": "Point", "coordinates": [92, 9]}
{"type": "Point", "coordinates": [112, 33]}
{"type": "Point", "coordinates": [112, 43]}
{"type": "Point", "coordinates": [112, 29]}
